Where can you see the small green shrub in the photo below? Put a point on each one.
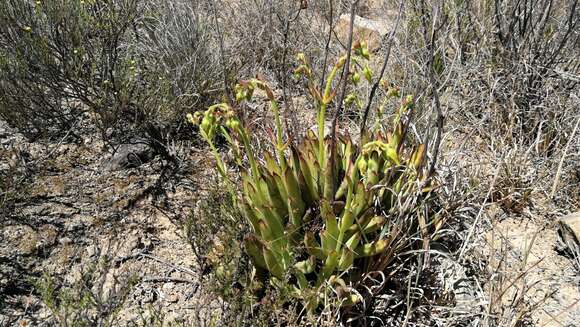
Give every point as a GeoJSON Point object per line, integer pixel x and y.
{"type": "Point", "coordinates": [328, 210]}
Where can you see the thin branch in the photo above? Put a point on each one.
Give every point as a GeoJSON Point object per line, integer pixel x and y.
{"type": "Point", "coordinates": [378, 81]}
{"type": "Point", "coordinates": [344, 77]}
{"type": "Point", "coordinates": [481, 209]}
{"type": "Point", "coordinates": [430, 42]}
{"type": "Point", "coordinates": [560, 165]}
{"type": "Point", "coordinates": [327, 47]}
{"type": "Point", "coordinates": [288, 103]}
{"type": "Point", "coordinates": [161, 279]}
{"type": "Point", "coordinates": [182, 269]}
{"type": "Point", "coordinates": [220, 37]}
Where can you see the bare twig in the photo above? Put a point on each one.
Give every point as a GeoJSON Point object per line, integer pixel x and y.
{"type": "Point", "coordinates": [288, 102]}
{"type": "Point", "coordinates": [378, 81]}
{"type": "Point", "coordinates": [54, 148]}
{"type": "Point", "coordinates": [475, 223]}
{"type": "Point", "coordinates": [344, 77]}
{"type": "Point", "coordinates": [559, 171]}
{"type": "Point", "coordinates": [158, 279]}
{"type": "Point", "coordinates": [430, 42]}
{"type": "Point", "coordinates": [220, 37]}
{"type": "Point", "coordinates": [561, 312]}
{"type": "Point", "coordinates": [182, 269]}
{"type": "Point", "coordinates": [327, 47]}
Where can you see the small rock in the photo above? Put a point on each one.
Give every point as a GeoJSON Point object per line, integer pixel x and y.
{"type": "Point", "coordinates": [92, 251]}
{"type": "Point", "coordinates": [128, 246]}
{"type": "Point", "coordinates": [172, 298]}
{"type": "Point", "coordinates": [65, 241]}
{"type": "Point", "coordinates": [371, 31]}
{"type": "Point", "coordinates": [148, 296]}
{"type": "Point", "coordinates": [173, 318]}
{"type": "Point", "coordinates": [129, 156]}
{"type": "Point", "coordinates": [569, 236]}
{"type": "Point", "coordinates": [168, 287]}
{"type": "Point", "coordinates": [47, 236]}
{"type": "Point", "coordinates": [17, 239]}
{"type": "Point", "coordinates": [572, 223]}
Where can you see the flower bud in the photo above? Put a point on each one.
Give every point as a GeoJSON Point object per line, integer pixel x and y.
{"type": "Point", "coordinates": [355, 78]}
{"type": "Point", "coordinates": [191, 119]}
{"type": "Point", "coordinates": [393, 92]}
{"type": "Point", "coordinates": [233, 124]}
{"type": "Point", "coordinates": [350, 99]}
{"type": "Point", "coordinates": [341, 62]}
{"type": "Point", "coordinates": [368, 74]}
{"type": "Point", "coordinates": [362, 165]}
{"type": "Point", "coordinates": [301, 57]}
{"type": "Point", "coordinates": [362, 50]}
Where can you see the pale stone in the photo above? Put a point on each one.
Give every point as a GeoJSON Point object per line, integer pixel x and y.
{"type": "Point", "coordinates": [569, 235]}
{"type": "Point", "coordinates": [371, 31]}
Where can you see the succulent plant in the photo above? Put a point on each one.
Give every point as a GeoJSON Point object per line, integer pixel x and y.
{"type": "Point", "coordinates": [322, 217]}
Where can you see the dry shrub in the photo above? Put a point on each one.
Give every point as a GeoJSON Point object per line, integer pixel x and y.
{"type": "Point", "coordinates": [264, 36]}
{"type": "Point", "coordinates": [521, 58]}
{"type": "Point", "coordinates": [58, 57]}
{"type": "Point", "coordinates": [134, 66]}
{"type": "Point", "coordinates": [91, 300]}
{"type": "Point", "coordinates": [505, 68]}
{"type": "Point", "coordinates": [507, 75]}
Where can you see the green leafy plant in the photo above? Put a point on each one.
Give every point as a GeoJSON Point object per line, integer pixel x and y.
{"type": "Point", "coordinates": [327, 210]}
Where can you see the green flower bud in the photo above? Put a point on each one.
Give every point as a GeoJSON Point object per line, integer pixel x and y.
{"type": "Point", "coordinates": [244, 90]}
{"type": "Point", "coordinates": [205, 123]}
{"type": "Point", "coordinates": [301, 57]}
{"type": "Point", "coordinates": [240, 96]}
{"type": "Point", "coordinates": [355, 78]}
{"type": "Point", "coordinates": [362, 165]}
{"type": "Point", "coordinates": [208, 124]}
{"type": "Point", "coordinates": [393, 92]}
{"type": "Point", "coordinates": [196, 118]}
{"type": "Point", "coordinates": [361, 50]}
{"type": "Point", "coordinates": [341, 62]}
{"type": "Point", "coordinates": [302, 70]}
{"type": "Point", "coordinates": [365, 51]}
{"type": "Point", "coordinates": [233, 124]}
{"type": "Point", "coordinates": [190, 118]}
{"type": "Point", "coordinates": [350, 99]}
{"type": "Point", "coordinates": [368, 74]}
